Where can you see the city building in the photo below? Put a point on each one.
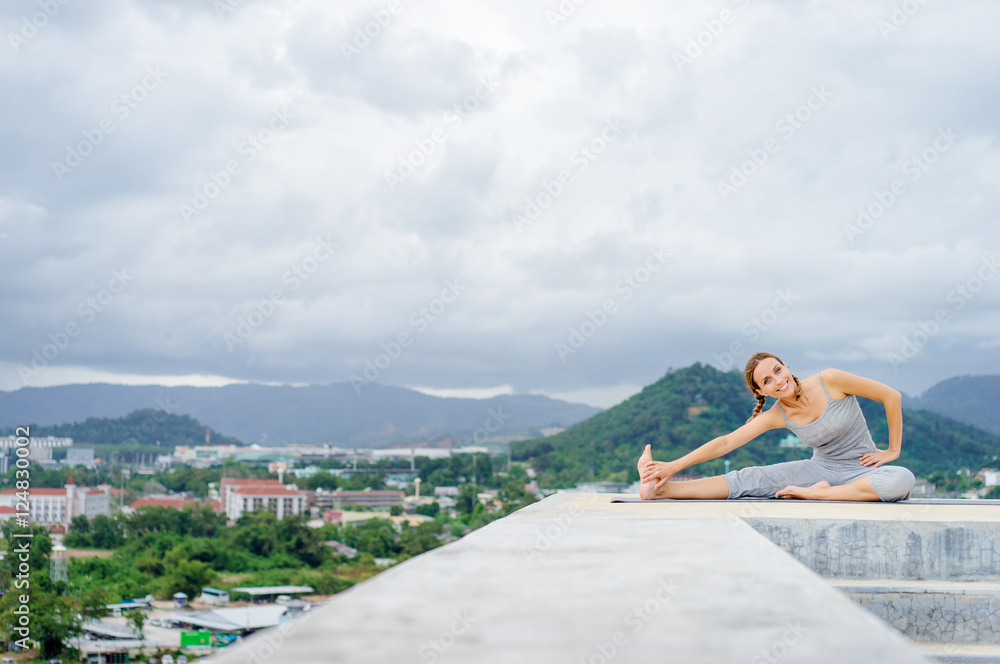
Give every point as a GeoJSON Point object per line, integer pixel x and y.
{"type": "Point", "coordinates": [36, 443]}
{"type": "Point", "coordinates": [59, 506]}
{"type": "Point", "coordinates": [202, 456]}
{"type": "Point", "coordinates": [326, 499]}
{"type": "Point", "coordinates": [174, 502]}
{"type": "Point", "coordinates": [80, 456]}
{"type": "Point", "coordinates": [239, 496]}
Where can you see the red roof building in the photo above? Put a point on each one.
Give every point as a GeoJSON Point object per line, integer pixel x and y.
{"type": "Point", "coordinates": [240, 496]}
{"type": "Point", "coordinates": [59, 506]}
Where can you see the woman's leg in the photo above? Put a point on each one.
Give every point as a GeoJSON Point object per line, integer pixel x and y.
{"type": "Point", "coordinates": [885, 483]}
{"type": "Point", "coordinates": [859, 489]}
{"type": "Point", "coordinates": [753, 481]}
{"type": "Point", "coordinates": [706, 488]}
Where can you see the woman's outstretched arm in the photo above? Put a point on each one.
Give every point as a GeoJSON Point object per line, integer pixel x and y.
{"type": "Point", "coordinates": [664, 470]}
{"type": "Point", "coordinates": [891, 399]}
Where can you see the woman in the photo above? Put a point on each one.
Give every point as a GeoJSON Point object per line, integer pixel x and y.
{"type": "Point", "coordinates": [824, 413]}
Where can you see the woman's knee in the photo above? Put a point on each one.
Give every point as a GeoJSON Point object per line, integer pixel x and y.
{"type": "Point", "coordinates": [892, 483]}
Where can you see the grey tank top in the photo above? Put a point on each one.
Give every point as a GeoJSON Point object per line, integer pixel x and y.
{"type": "Point", "coordinates": [840, 433]}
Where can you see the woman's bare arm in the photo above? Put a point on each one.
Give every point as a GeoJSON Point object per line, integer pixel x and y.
{"type": "Point", "coordinates": [890, 399]}
{"type": "Point", "coordinates": [664, 470]}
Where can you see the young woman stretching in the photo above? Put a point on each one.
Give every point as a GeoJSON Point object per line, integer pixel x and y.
{"type": "Point", "coordinates": [823, 412]}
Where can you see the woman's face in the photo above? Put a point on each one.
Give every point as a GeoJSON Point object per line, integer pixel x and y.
{"type": "Point", "coordinates": [773, 379]}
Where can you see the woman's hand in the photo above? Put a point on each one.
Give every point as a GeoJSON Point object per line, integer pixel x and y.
{"type": "Point", "coordinates": [876, 459]}
{"type": "Point", "coordinates": [660, 471]}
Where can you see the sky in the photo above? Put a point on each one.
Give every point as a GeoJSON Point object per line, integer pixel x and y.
{"type": "Point", "coordinates": [563, 198]}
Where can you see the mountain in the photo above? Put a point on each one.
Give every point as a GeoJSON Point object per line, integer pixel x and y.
{"type": "Point", "coordinates": [274, 415]}
{"type": "Point", "coordinates": [969, 399]}
{"type": "Point", "coordinates": [688, 407]}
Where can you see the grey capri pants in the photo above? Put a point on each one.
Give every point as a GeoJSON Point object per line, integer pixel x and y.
{"type": "Point", "coordinates": [891, 483]}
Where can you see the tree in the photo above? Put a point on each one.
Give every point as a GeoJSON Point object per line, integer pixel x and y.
{"type": "Point", "coordinates": [106, 532]}
{"type": "Point", "coordinates": [415, 540]}
{"type": "Point", "coordinates": [79, 532]}
{"type": "Point", "coordinates": [431, 510]}
{"type": "Point", "coordinates": [187, 576]}
{"type": "Point", "coordinates": [467, 499]}
{"type": "Point", "coordinates": [137, 618]}
{"type": "Point", "coordinates": [54, 619]}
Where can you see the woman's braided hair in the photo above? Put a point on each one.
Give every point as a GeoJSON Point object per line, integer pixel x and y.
{"type": "Point", "coordinates": [752, 384]}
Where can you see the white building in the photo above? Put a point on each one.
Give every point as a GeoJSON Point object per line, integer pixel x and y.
{"type": "Point", "coordinates": [39, 449]}
{"type": "Point", "coordinates": [206, 455]}
{"type": "Point", "coordinates": [242, 495]}
{"type": "Point", "coordinates": [59, 506]}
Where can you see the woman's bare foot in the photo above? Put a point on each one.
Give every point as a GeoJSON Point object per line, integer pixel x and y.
{"type": "Point", "coordinates": [813, 492]}
{"type": "Point", "coordinates": [646, 491]}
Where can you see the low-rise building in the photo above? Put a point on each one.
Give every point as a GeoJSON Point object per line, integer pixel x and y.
{"type": "Point", "coordinates": [173, 502]}
{"type": "Point", "coordinates": [50, 506]}
{"type": "Point", "coordinates": [368, 497]}
{"type": "Point", "coordinates": [244, 495]}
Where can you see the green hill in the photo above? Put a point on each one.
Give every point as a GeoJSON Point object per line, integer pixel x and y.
{"type": "Point", "coordinates": [688, 407]}
{"type": "Point", "coordinates": [147, 432]}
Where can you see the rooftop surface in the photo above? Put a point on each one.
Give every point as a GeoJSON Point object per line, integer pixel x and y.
{"type": "Point", "coordinates": [576, 578]}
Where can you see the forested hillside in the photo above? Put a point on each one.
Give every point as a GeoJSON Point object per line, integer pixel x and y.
{"type": "Point", "coordinates": [143, 432]}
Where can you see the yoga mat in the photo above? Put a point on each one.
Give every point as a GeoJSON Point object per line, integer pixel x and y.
{"type": "Point", "coordinates": [911, 501]}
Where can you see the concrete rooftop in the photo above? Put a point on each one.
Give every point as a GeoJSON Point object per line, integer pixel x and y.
{"type": "Point", "coordinates": [577, 578]}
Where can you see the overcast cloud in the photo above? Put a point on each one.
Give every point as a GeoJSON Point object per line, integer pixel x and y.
{"type": "Point", "coordinates": [476, 198]}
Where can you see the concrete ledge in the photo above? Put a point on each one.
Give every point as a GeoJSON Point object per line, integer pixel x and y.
{"type": "Point", "coordinates": [953, 653]}
{"type": "Point", "coordinates": [942, 539]}
{"type": "Point", "coordinates": [928, 548]}
{"type": "Point", "coordinates": [576, 579]}
{"type": "Point", "coordinates": [945, 619]}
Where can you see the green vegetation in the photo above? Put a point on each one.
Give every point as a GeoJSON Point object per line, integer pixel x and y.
{"type": "Point", "coordinates": [688, 407]}
{"type": "Point", "coordinates": [56, 614]}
